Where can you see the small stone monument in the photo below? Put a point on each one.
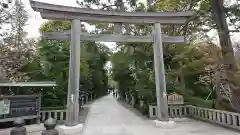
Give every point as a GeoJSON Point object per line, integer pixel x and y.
{"type": "Point", "coordinates": [50, 125]}
{"type": "Point", "coordinates": [19, 128]}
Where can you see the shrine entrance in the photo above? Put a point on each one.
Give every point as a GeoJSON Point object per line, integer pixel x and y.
{"type": "Point", "coordinates": [78, 15]}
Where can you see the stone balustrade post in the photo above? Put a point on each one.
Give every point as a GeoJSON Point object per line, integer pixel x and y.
{"type": "Point", "coordinates": [86, 98]}
{"type": "Point", "coordinates": [82, 100]}
{"type": "Point", "coordinates": [126, 98]}
{"type": "Point", "coordinates": [50, 125]}
{"type": "Point", "coordinates": [133, 100]}
{"type": "Point", "coordinates": [141, 103]}
{"type": "Point", "coordinates": [19, 128]}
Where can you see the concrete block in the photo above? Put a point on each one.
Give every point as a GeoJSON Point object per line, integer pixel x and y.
{"type": "Point", "coordinates": [70, 130]}
{"type": "Point", "coordinates": [165, 124]}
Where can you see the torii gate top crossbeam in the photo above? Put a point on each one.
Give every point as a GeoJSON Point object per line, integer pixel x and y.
{"type": "Point", "coordinates": [51, 11]}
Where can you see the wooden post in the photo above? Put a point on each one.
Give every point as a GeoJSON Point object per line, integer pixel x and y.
{"type": "Point", "coordinates": [162, 106]}
{"type": "Point", "coordinates": [74, 76]}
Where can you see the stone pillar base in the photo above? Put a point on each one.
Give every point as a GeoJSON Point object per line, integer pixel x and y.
{"type": "Point", "coordinates": [165, 124]}
{"type": "Point", "coordinates": [179, 119]}
{"type": "Point", "coordinates": [70, 130]}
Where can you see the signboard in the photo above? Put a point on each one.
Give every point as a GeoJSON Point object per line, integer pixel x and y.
{"type": "Point", "coordinates": [175, 99]}
{"type": "Point", "coordinates": [18, 106]}
{"type": "Point", "coordinates": [4, 106]}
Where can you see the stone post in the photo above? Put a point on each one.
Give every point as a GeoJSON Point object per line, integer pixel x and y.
{"type": "Point", "coordinates": [133, 101]}
{"type": "Point", "coordinates": [86, 98]}
{"type": "Point", "coordinates": [50, 125]}
{"type": "Point", "coordinates": [82, 100]}
{"type": "Point", "coordinates": [19, 128]}
{"type": "Point", "coordinates": [141, 103]}
{"type": "Point", "coordinates": [126, 98]}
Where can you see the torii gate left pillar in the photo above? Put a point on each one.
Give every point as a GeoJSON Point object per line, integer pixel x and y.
{"type": "Point", "coordinates": [72, 117]}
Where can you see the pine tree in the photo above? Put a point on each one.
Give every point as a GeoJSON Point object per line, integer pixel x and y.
{"type": "Point", "coordinates": [16, 48]}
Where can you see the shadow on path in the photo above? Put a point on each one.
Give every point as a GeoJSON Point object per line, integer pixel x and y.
{"type": "Point", "coordinates": [133, 110]}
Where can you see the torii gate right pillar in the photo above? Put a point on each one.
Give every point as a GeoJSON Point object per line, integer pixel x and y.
{"type": "Point", "coordinates": [161, 94]}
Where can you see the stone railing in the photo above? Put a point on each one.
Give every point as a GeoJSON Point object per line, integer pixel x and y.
{"type": "Point", "coordinates": [223, 118]}
{"type": "Point", "coordinates": [174, 111]}
{"type": "Point", "coordinates": [59, 115]}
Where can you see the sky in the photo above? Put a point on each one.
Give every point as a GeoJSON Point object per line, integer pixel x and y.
{"type": "Point", "coordinates": [35, 19]}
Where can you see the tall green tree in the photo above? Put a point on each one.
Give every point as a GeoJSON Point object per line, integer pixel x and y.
{"type": "Point", "coordinates": [52, 63]}
{"type": "Point", "coordinates": [184, 65]}
{"type": "Point", "coordinates": [219, 15]}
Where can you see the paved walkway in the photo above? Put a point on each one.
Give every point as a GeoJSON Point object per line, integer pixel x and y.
{"type": "Point", "coordinates": [109, 117]}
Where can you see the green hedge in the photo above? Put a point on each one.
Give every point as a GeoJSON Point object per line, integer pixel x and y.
{"type": "Point", "coordinates": [198, 102]}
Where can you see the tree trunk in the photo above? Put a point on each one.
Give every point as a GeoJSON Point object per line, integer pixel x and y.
{"type": "Point", "coordinates": [229, 62]}
{"type": "Point", "coordinates": [223, 33]}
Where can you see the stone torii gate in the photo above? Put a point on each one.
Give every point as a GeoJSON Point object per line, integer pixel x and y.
{"type": "Point", "coordinates": [76, 15]}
